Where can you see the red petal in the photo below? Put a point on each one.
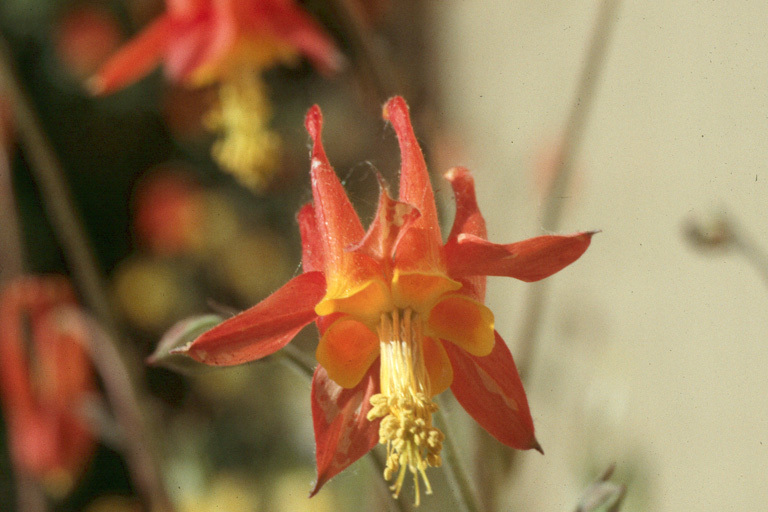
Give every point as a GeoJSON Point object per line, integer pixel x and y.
{"type": "Point", "coordinates": [337, 222]}
{"type": "Point", "coordinates": [338, 226]}
{"type": "Point", "coordinates": [263, 329]}
{"type": "Point", "coordinates": [288, 22]}
{"type": "Point", "coordinates": [421, 247]}
{"type": "Point", "coordinates": [201, 38]}
{"type": "Point", "coordinates": [343, 434]}
{"type": "Point", "coordinates": [468, 220]}
{"type": "Point", "coordinates": [529, 260]}
{"type": "Point", "coordinates": [41, 397]}
{"type": "Point", "coordinates": [490, 390]}
{"type": "Point", "coordinates": [392, 219]}
{"type": "Point", "coordinates": [186, 8]}
{"type": "Point", "coordinates": [311, 243]}
{"type": "Point", "coordinates": [189, 48]}
{"type": "Point", "coordinates": [415, 187]}
{"type": "Point", "coordinates": [135, 60]}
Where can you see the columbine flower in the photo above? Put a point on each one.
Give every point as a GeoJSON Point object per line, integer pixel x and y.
{"type": "Point", "coordinates": [43, 383]}
{"type": "Point", "coordinates": [227, 42]}
{"type": "Point", "coordinates": [401, 316]}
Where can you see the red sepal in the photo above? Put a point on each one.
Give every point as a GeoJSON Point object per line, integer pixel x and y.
{"type": "Point", "coordinates": [263, 329]}
{"type": "Point", "coordinates": [136, 59]}
{"type": "Point", "coordinates": [343, 434]}
{"type": "Point", "coordinates": [468, 220]}
{"type": "Point", "coordinates": [393, 218]}
{"type": "Point", "coordinates": [312, 257]}
{"type": "Point", "coordinates": [338, 225]}
{"type": "Point", "coordinates": [289, 22]}
{"type": "Point", "coordinates": [197, 41]}
{"type": "Point", "coordinates": [490, 390]}
{"type": "Point", "coordinates": [529, 260]}
{"type": "Point", "coordinates": [420, 249]}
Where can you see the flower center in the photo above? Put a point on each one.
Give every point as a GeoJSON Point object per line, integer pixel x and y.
{"type": "Point", "coordinates": [246, 147]}
{"type": "Point", "coordinates": [405, 402]}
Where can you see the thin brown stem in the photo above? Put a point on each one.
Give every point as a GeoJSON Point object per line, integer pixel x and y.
{"type": "Point", "coordinates": [30, 495]}
{"type": "Point", "coordinates": [458, 479]}
{"type": "Point", "coordinates": [124, 364]}
{"type": "Point", "coordinates": [58, 202]}
{"type": "Point", "coordinates": [375, 70]}
{"type": "Point", "coordinates": [11, 247]}
{"type": "Point", "coordinates": [580, 110]}
{"type": "Point", "coordinates": [553, 206]}
{"type": "Point", "coordinates": [124, 400]}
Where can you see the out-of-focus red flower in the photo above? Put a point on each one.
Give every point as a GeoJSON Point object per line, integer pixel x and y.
{"type": "Point", "coordinates": [168, 213]}
{"type": "Point", "coordinates": [400, 313]}
{"type": "Point", "coordinates": [228, 43]}
{"type": "Point", "coordinates": [199, 41]}
{"type": "Point", "coordinates": [46, 376]}
{"type": "Point", "coordinates": [84, 37]}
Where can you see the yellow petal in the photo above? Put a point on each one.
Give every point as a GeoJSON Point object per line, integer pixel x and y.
{"type": "Point", "coordinates": [347, 350]}
{"type": "Point", "coordinates": [365, 302]}
{"type": "Point", "coordinates": [464, 322]}
{"type": "Point", "coordinates": [418, 290]}
{"type": "Point", "coordinates": [438, 366]}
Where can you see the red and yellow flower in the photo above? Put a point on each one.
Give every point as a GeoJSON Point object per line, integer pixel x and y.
{"type": "Point", "coordinates": [204, 41]}
{"type": "Point", "coordinates": [227, 43]}
{"type": "Point", "coordinates": [400, 313]}
{"type": "Point", "coordinates": [44, 384]}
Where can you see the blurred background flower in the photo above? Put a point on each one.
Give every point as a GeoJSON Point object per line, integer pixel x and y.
{"type": "Point", "coordinates": [46, 381]}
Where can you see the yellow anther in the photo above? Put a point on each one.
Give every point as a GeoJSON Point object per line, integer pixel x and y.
{"type": "Point", "coordinates": [246, 147]}
{"type": "Point", "coordinates": [405, 404]}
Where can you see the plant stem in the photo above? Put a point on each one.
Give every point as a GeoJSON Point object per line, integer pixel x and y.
{"type": "Point", "coordinates": [11, 248]}
{"type": "Point", "coordinates": [60, 208]}
{"type": "Point", "coordinates": [553, 205]}
{"type": "Point", "coordinates": [29, 495]}
{"type": "Point", "coordinates": [375, 71]}
{"type": "Point", "coordinates": [123, 398]}
{"type": "Point", "coordinates": [58, 202]}
{"type": "Point", "coordinates": [298, 360]}
{"type": "Point", "coordinates": [457, 476]}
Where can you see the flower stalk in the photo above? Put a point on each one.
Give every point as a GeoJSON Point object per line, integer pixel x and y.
{"type": "Point", "coordinates": [49, 176]}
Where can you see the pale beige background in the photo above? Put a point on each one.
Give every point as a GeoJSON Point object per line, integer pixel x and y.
{"type": "Point", "coordinates": [654, 355]}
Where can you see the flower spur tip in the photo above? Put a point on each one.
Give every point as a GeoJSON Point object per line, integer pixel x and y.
{"type": "Point", "coordinates": [314, 122]}
{"type": "Point", "coordinates": [396, 108]}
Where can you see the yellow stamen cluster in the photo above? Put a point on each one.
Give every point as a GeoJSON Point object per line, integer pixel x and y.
{"type": "Point", "coordinates": [246, 147]}
{"type": "Point", "coordinates": [405, 402]}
